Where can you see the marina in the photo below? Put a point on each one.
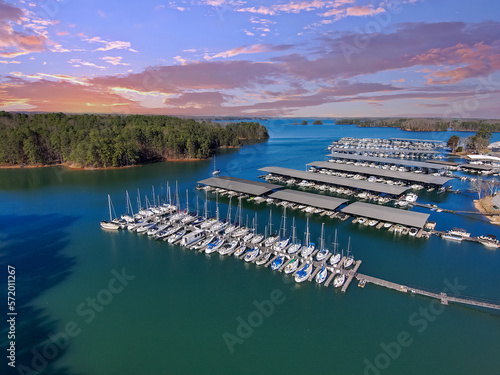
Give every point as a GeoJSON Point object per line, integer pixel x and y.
{"type": "Point", "coordinates": [168, 223]}
{"type": "Point", "coordinates": [176, 288]}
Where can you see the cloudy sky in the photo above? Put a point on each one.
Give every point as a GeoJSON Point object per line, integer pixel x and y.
{"type": "Point", "coordinates": [314, 58]}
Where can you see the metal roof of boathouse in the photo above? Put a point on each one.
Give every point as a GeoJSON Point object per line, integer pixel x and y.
{"type": "Point", "coordinates": [407, 176]}
{"type": "Point", "coordinates": [339, 181]}
{"type": "Point", "coordinates": [388, 214]}
{"type": "Point", "coordinates": [309, 199]}
{"type": "Point", "coordinates": [411, 163]}
{"type": "Point", "coordinates": [240, 185]}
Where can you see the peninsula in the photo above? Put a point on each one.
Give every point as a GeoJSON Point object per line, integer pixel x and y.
{"type": "Point", "coordinates": [111, 141]}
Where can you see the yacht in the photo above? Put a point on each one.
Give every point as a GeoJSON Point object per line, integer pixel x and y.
{"type": "Point", "coordinates": [291, 265]}
{"type": "Point", "coordinates": [322, 253]}
{"type": "Point", "coordinates": [387, 225]}
{"type": "Point", "coordinates": [304, 273]}
{"type": "Point", "coordinates": [448, 236]}
{"type": "Point", "coordinates": [413, 232]}
{"type": "Point", "coordinates": [459, 232]}
{"type": "Point", "coordinates": [203, 244]}
{"type": "Point", "coordinates": [270, 240]}
{"type": "Point", "coordinates": [252, 254]}
{"type": "Point", "coordinates": [309, 246]}
{"type": "Point", "coordinates": [278, 262]}
{"type": "Point", "coordinates": [214, 246]}
{"type": "Point", "coordinates": [295, 247]}
{"type": "Point", "coordinates": [280, 246]}
{"type": "Point", "coordinates": [239, 251]}
{"type": "Point", "coordinates": [264, 258]}
{"type": "Point", "coordinates": [411, 197]}
{"type": "Point", "coordinates": [248, 236]}
{"type": "Point", "coordinates": [177, 236]}
{"type": "Point", "coordinates": [193, 237]}
{"type": "Point", "coordinates": [257, 239]}
{"type": "Point", "coordinates": [335, 259]}
{"type": "Point", "coordinates": [349, 258]}
{"type": "Point", "coordinates": [308, 250]}
{"type": "Point", "coordinates": [216, 171]}
{"type": "Point", "coordinates": [338, 280]}
{"type": "Point", "coordinates": [321, 275]}
{"type": "Point", "coordinates": [110, 225]}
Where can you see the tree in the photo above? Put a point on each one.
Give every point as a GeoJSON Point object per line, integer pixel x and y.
{"type": "Point", "coordinates": [304, 122]}
{"type": "Point", "coordinates": [478, 186]}
{"type": "Point", "coordinates": [453, 142]}
{"type": "Point", "coordinates": [480, 141]}
{"type": "Point", "coordinates": [318, 122]}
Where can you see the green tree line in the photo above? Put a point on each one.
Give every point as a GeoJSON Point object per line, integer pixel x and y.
{"type": "Point", "coordinates": [114, 140]}
{"type": "Point", "coordinates": [425, 124]}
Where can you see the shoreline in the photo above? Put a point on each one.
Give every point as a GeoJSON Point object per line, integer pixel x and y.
{"type": "Point", "coordinates": [479, 206]}
{"type": "Point", "coordinates": [76, 167]}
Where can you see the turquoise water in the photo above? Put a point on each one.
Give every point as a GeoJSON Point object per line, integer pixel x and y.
{"type": "Point", "coordinates": [178, 308]}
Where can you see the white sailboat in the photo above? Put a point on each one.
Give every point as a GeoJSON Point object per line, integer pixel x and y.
{"type": "Point", "coordinates": [296, 245]}
{"type": "Point", "coordinates": [322, 253]}
{"type": "Point", "coordinates": [110, 225]}
{"type": "Point", "coordinates": [349, 259]}
{"type": "Point", "coordinates": [216, 171]}
{"type": "Point", "coordinates": [309, 246]}
{"type": "Point", "coordinates": [336, 257]}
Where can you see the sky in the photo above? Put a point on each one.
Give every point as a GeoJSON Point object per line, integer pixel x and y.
{"type": "Point", "coordinates": [249, 58]}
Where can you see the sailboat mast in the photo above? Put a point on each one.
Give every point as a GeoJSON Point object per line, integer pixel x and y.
{"type": "Point", "coordinates": [307, 233]}
{"type": "Point", "coordinates": [284, 221]}
{"type": "Point", "coordinates": [217, 206]}
{"type": "Point", "coordinates": [154, 198]}
{"type": "Point", "coordinates": [187, 200]}
{"type": "Point", "coordinates": [139, 200]}
{"type": "Point", "coordinates": [293, 230]}
{"type": "Point", "coordinates": [109, 204]}
{"type": "Point", "coordinates": [322, 236]}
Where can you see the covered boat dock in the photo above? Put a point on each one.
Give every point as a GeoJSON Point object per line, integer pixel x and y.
{"type": "Point", "coordinates": [309, 199]}
{"type": "Point", "coordinates": [358, 150]}
{"type": "Point", "coordinates": [387, 214]}
{"type": "Point", "coordinates": [239, 185]}
{"type": "Point", "coordinates": [337, 181]}
{"type": "Point", "coordinates": [426, 179]}
{"type": "Point", "coordinates": [374, 159]}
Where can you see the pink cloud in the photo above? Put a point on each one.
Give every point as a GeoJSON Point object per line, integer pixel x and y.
{"type": "Point", "coordinates": [256, 48]}
{"type": "Point", "coordinates": [15, 43]}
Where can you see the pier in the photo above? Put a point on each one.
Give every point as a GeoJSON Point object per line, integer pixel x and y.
{"type": "Point", "coordinates": [442, 297]}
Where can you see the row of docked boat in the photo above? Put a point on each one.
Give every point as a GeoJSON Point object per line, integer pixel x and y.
{"type": "Point", "coordinates": [212, 235]}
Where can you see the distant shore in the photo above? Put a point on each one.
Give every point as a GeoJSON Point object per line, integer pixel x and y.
{"type": "Point", "coordinates": [77, 167]}
{"type": "Point", "coordinates": [485, 206]}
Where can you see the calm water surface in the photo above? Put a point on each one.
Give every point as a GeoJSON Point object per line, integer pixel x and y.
{"type": "Point", "coordinates": [172, 314]}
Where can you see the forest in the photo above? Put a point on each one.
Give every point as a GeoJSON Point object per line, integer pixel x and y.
{"type": "Point", "coordinates": [424, 124]}
{"type": "Point", "coordinates": [101, 141]}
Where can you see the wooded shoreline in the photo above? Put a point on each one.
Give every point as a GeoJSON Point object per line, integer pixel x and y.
{"type": "Point", "coordinates": [112, 141]}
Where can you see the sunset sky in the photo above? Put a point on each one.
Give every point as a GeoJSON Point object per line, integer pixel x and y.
{"type": "Point", "coordinates": [339, 58]}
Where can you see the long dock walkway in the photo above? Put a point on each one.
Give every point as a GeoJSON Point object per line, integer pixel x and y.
{"type": "Point", "coordinates": [443, 297]}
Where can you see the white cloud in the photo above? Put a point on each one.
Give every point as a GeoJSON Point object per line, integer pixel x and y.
{"type": "Point", "coordinates": [114, 60]}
